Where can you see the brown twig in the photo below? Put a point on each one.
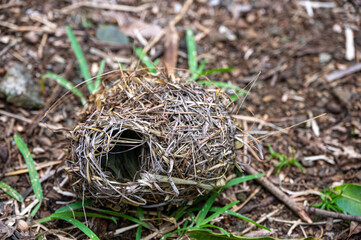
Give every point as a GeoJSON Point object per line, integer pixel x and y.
{"type": "Point", "coordinates": [99, 5]}
{"type": "Point", "coordinates": [24, 119]}
{"type": "Point", "coordinates": [10, 45]}
{"type": "Point", "coordinates": [264, 203]}
{"type": "Point", "coordinates": [278, 193]}
{"type": "Point", "coordinates": [176, 19]}
{"type": "Point", "coordinates": [262, 219]}
{"type": "Point", "coordinates": [237, 208]}
{"type": "Point", "coordinates": [10, 4]}
{"type": "Point", "coordinates": [325, 213]}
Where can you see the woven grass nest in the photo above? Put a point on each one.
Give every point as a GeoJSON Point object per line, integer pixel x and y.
{"type": "Point", "coordinates": [147, 140]}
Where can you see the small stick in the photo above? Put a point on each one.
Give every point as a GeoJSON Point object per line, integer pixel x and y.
{"type": "Point", "coordinates": [293, 227]}
{"type": "Point", "coordinates": [38, 167]}
{"type": "Point", "coordinates": [325, 213]}
{"type": "Point", "coordinates": [342, 73]}
{"type": "Point", "coordinates": [99, 5]}
{"type": "Point", "coordinates": [21, 118]}
{"type": "Point", "coordinates": [236, 208]}
{"type": "Point", "coordinates": [10, 4]}
{"type": "Point", "coordinates": [10, 45]}
{"type": "Point", "coordinates": [302, 223]}
{"type": "Point", "coordinates": [261, 220]}
{"type": "Point", "coordinates": [177, 18]}
{"type": "Point", "coordinates": [279, 194]}
{"type": "Point", "coordinates": [258, 120]}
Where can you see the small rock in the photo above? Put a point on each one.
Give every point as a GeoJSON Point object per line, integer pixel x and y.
{"type": "Point", "coordinates": [251, 18]}
{"type": "Point", "coordinates": [228, 33]}
{"type": "Point", "coordinates": [333, 107]}
{"type": "Point", "coordinates": [3, 153]}
{"type": "Point", "coordinates": [241, 197]}
{"type": "Point", "coordinates": [22, 226]}
{"type": "Point", "coordinates": [5, 39]}
{"type": "Point", "coordinates": [337, 28]}
{"type": "Point", "coordinates": [238, 9]}
{"type": "Point", "coordinates": [20, 89]}
{"type": "Point", "coordinates": [326, 172]}
{"type": "Point", "coordinates": [324, 58]}
{"type": "Point", "coordinates": [342, 94]}
{"type": "Point", "coordinates": [31, 37]}
{"type": "Point", "coordinates": [111, 34]}
{"type": "Point", "coordinates": [268, 98]}
{"type": "Point", "coordinates": [214, 3]}
{"type": "Point", "coordinates": [177, 7]}
{"type": "Point", "coordinates": [241, 24]}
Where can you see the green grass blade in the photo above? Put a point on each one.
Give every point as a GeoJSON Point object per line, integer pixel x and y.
{"type": "Point", "coordinates": [130, 218]}
{"type": "Point", "coordinates": [138, 235]}
{"type": "Point", "coordinates": [201, 67]}
{"type": "Point", "coordinates": [235, 214]}
{"type": "Point", "coordinates": [156, 61]}
{"type": "Point", "coordinates": [35, 209]}
{"type": "Point", "coordinates": [31, 167]}
{"type": "Point", "coordinates": [179, 212]}
{"type": "Point", "coordinates": [239, 180]}
{"type": "Point", "coordinates": [180, 230]}
{"type": "Point", "coordinates": [121, 66]}
{"type": "Point", "coordinates": [11, 192]}
{"type": "Point", "coordinates": [216, 227]}
{"type": "Point", "coordinates": [66, 84]}
{"type": "Point", "coordinates": [140, 213]}
{"type": "Point", "coordinates": [192, 51]}
{"type": "Point", "coordinates": [74, 214]}
{"type": "Point", "coordinates": [98, 79]}
{"type": "Point", "coordinates": [218, 212]}
{"type": "Point", "coordinates": [145, 60]}
{"type": "Point", "coordinates": [205, 209]}
{"type": "Point", "coordinates": [74, 206]}
{"type": "Point", "coordinates": [217, 70]}
{"type": "Point", "coordinates": [197, 74]}
{"type": "Point", "coordinates": [82, 227]}
{"type": "Point", "coordinates": [81, 59]}
{"type": "Point", "coordinates": [205, 234]}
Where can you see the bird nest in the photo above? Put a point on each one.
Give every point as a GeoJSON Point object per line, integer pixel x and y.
{"type": "Point", "coordinates": [145, 139]}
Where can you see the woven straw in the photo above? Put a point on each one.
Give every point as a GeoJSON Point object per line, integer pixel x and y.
{"type": "Point", "coordinates": [145, 139]}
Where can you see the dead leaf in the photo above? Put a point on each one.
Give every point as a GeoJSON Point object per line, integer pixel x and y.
{"type": "Point", "coordinates": [355, 228]}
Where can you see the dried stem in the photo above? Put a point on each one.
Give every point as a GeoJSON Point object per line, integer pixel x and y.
{"type": "Point", "coordinates": [278, 193]}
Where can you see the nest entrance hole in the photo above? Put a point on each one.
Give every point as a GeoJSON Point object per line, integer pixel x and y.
{"type": "Point", "coordinates": [124, 159]}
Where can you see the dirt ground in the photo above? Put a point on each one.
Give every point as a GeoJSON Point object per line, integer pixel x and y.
{"type": "Point", "coordinates": [294, 48]}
